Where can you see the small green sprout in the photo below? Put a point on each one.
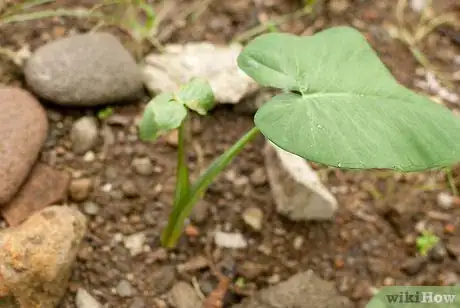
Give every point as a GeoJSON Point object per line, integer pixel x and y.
{"type": "Point", "coordinates": [426, 241]}
{"type": "Point", "coordinates": [104, 113]}
{"type": "Point", "coordinates": [340, 107]}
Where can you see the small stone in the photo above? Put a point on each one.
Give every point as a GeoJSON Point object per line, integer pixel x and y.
{"type": "Point", "coordinates": [91, 208]}
{"type": "Point", "coordinates": [172, 138]}
{"type": "Point", "coordinates": [135, 243]}
{"type": "Point", "coordinates": [200, 211]}
{"type": "Point", "coordinates": [258, 177]}
{"type": "Point", "coordinates": [274, 279]}
{"type": "Point", "coordinates": [230, 240]}
{"type": "Point", "coordinates": [84, 70]}
{"type": "Point", "coordinates": [24, 129]}
{"type": "Point", "coordinates": [251, 270]}
{"type": "Point", "coordinates": [89, 156]}
{"type": "Point", "coordinates": [449, 279]}
{"type": "Point", "coordinates": [138, 303]}
{"type": "Point", "coordinates": [41, 252]}
{"type": "Point", "coordinates": [296, 188]}
{"type": "Point", "coordinates": [445, 200]}
{"type": "Point", "coordinates": [182, 295]}
{"type": "Point", "coordinates": [142, 166]}
{"type": "Point", "coordinates": [338, 6]}
{"type": "Point", "coordinates": [163, 279]}
{"type": "Point", "coordinates": [253, 217]}
{"type": "Point", "coordinates": [84, 134]}
{"type": "Point", "coordinates": [453, 247]}
{"type": "Point", "coordinates": [85, 300]}
{"type": "Point", "coordinates": [413, 266]}
{"type": "Point", "coordinates": [295, 292]}
{"type": "Point", "coordinates": [194, 264]}
{"type": "Point", "coordinates": [125, 289]}
{"type": "Point", "coordinates": [130, 189]}
{"type": "Point", "coordinates": [298, 242]}
{"type": "Point", "coordinates": [80, 189]}
{"type": "Point", "coordinates": [437, 253]}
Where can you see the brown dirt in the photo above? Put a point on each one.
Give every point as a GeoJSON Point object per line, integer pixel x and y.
{"type": "Point", "coordinates": [367, 244]}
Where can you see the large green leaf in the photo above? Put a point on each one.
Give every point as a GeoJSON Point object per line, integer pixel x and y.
{"type": "Point", "coordinates": [343, 107]}
{"type": "Point", "coordinates": [161, 115]}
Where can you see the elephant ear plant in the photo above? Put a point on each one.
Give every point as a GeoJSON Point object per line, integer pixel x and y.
{"type": "Point", "coordinates": [340, 107]}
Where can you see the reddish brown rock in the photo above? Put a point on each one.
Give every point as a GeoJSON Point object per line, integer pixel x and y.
{"type": "Point", "coordinates": [44, 186]}
{"type": "Point", "coordinates": [23, 130]}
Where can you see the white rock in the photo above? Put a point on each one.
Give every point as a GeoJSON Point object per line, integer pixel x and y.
{"type": "Point", "coordinates": [445, 200]}
{"type": "Point", "coordinates": [166, 72]}
{"type": "Point", "coordinates": [418, 5]}
{"type": "Point", "coordinates": [230, 240]}
{"type": "Point", "coordinates": [135, 243]}
{"type": "Point", "coordinates": [85, 300]}
{"type": "Point", "coordinates": [296, 188]}
{"type": "Point", "coordinates": [253, 217]}
{"type": "Point", "coordinates": [125, 289]}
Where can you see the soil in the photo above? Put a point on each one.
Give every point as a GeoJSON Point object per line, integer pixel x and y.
{"type": "Point", "coordinates": [371, 242]}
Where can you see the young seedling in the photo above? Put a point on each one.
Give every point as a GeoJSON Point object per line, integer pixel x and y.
{"type": "Point", "coordinates": [426, 241]}
{"type": "Point", "coordinates": [340, 107]}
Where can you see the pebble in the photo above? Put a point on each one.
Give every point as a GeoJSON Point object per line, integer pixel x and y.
{"type": "Point", "coordinates": [338, 6]}
{"type": "Point", "coordinates": [413, 266]}
{"type": "Point", "coordinates": [138, 303]}
{"type": "Point", "coordinates": [84, 70]}
{"type": "Point", "coordinates": [164, 279]}
{"type": "Point", "coordinates": [135, 243]}
{"type": "Point", "coordinates": [24, 129]}
{"type": "Point", "coordinates": [274, 279]}
{"type": "Point", "coordinates": [86, 300]}
{"type": "Point", "coordinates": [251, 270]}
{"type": "Point", "coordinates": [194, 264]}
{"type": "Point", "coordinates": [125, 289]}
{"type": "Point", "coordinates": [130, 189]}
{"type": "Point", "coordinates": [445, 200]}
{"type": "Point", "coordinates": [298, 242]}
{"type": "Point", "coordinates": [183, 295]}
{"type": "Point", "coordinates": [84, 134]}
{"type": "Point", "coordinates": [142, 166]}
{"type": "Point", "coordinates": [230, 240]}
{"type": "Point", "coordinates": [200, 211]}
{"type": "Point", "coordinates": [258, 177]}
{"type": "Point", "coordinates": [80, 189]}
{"type": "Point", "coordinates": [91, 208]}
{"type": "Point", "coordinates": [253, 217]}
{"type": "Point", "coordinates": [437, 253]}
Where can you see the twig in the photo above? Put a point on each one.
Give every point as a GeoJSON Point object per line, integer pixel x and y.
{"type": "Point", "coordinates": [452, 184]}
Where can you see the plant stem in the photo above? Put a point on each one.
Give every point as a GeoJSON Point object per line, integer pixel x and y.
{"type": "Point", "coordinates": [183, 209]}
{"type": "Point", "coordinates": [452, 184]}
{"type": "Point", "coordinates": [182, 182]}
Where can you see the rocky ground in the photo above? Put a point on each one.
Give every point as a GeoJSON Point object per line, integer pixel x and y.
{"type": "Point", "coordinates": [64, 146]}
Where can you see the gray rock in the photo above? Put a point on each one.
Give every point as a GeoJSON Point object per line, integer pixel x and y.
{"type": "Point", "coordinates": [23, 129]}
{"type": "Point", "coordinates": [40, 252]}
{"type": "Point", "coordinates": [142, 166]}
{"type": "Point", "coordinates": [86, 300]}
{"type": "Point", "coordinates": [182, 295]}
{"type": "Point", "coordinates": [84, 134]}
{"type": "Point", "coordinates": [125, 289]}
{"type": "Point", "coordinates": [84, 70]}
{"type": "Point", "coordinates": [303, 290]}
{"type": "Point", "coordinates": [296, 188]}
